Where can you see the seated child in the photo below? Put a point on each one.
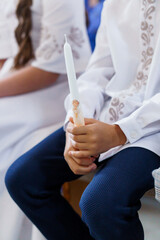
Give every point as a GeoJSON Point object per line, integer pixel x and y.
{"type": "Point", "coordinates": [33, 82]}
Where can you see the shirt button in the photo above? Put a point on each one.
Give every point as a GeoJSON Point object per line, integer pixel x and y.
{"type": "Point", "coordinates": [141, 120]}
{"type": "Point", "coordinates": [133, 134]}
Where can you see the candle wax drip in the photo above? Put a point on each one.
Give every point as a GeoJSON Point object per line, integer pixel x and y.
{"type": "Point", "coordinates": [75, 107]}
{"type": "Point", "coordinates": [77, 115]}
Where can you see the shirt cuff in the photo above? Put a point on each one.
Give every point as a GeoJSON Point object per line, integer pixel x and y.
{"type": "Point", "coordinates": [131, 129]}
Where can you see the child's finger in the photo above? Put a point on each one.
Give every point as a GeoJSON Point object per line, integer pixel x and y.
{"type": "Point", "coordinates": [80, 154]}
{"type": "Point", "coordinates": [77, 130]}
{"type": "Point", "coordinates": [89, 121]}
{"type": "Point", "coordinates": [79, 146]}
{"type": "Point", "coordinates": [80, 170]}
{"type": "Point", "coordinates": [84, 161]}
{"type": "Point", "coordinates": [78, 138]}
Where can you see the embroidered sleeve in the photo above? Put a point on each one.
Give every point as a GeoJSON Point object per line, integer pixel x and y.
{"type": "Point", "coordinates": [55, 23]}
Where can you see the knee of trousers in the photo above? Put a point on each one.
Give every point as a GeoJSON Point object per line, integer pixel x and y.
{"type": "Point", "coordinates": [106, 209]}
{"type": "Point", "coordinates": [94, 208]}
{"type": "Point", "coordinates": [17, 180]}
{"type": "Point", "coordinates": [109, 217]}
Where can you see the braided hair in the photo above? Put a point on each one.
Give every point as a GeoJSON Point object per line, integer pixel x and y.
{"type": "Point", "coordinates": [22, 34]}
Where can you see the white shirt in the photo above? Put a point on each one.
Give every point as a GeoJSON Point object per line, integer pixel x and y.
{"type": "Point", "coordinates": [122, 82]}
{"type": "Point", "coordinates": [7, 39]}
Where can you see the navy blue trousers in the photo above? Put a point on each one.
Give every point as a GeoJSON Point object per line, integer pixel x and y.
{"type": "Point", "coordinates": [109, 204]}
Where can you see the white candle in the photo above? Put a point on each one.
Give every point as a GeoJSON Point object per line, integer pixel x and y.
{"type": "Point", "coordinates": [77, 113]}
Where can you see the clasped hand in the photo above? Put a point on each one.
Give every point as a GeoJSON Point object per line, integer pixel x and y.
{"type": "Point", "coordinates": [85, 143]}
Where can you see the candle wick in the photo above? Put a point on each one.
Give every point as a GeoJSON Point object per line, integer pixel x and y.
{"type": "Point", "coordinates": [65, 37]}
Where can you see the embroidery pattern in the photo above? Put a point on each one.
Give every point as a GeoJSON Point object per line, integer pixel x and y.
{"type": "Point", "coordinates": [51, 45]}
{"type": "Point", "coordinates": [147, 34]}
{"type": "Point", "coordinates": [147, 28]}
{"type": "Point", "coordinates": [116, 109]}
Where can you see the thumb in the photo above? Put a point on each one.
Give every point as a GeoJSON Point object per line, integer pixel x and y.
{"type": "Point", "coordinates": [89, 121]}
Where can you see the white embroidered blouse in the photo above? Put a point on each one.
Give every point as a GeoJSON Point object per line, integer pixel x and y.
{"type": "Point", "coordinates": [122, 81]}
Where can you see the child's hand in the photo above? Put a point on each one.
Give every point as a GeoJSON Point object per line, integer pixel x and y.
{"type": "Point", "coordinates": [79, 166]}
{"type": "Point", "coordinates": [94, 138]}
